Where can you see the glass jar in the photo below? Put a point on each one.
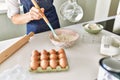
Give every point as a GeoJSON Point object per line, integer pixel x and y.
{"type": "Point", "coordinates": [71, 11]}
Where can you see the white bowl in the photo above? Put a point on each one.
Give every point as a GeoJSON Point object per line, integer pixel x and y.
{"type": "Point", "coordinates": [93, 28]}
{"type": "Point", "coordinates": [67, 38]}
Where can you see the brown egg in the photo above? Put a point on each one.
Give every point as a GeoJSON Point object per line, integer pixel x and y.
{"type": "Point", "coordinates": [34, 65]}
{"type": "Point", "coordinates": [62, 55]}
{"type": "Point", "coordinates": [52, 51]}
{"type": "Point", "coordinates": [53, 63]}
{"type": "Point", "coordinates": [61, 50]}
{"type": "Point", "coordinates": [44, 57]}
{"type": "Point", "coordinates": [35, 52]}
{"type": "Point", "coordinates": [53, 56]}
{"type": "Point", "coordinates": [35, 58]}
{"type": "Point", "coordinates": [44, 52]}
{"type": "Point", "coordinates": [44, 64]}
{"type": "Point", "coordinates": [63, 62]}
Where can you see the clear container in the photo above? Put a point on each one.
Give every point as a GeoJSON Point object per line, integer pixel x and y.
{"type": "Point", "coordinates": [71, 11]}
{"type": "Point", "coordinates": [15, 73]}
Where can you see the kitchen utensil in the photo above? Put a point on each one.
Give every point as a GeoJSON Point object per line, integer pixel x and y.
{"type": "Point", "coordinates": [109, 46]}
{"type": "Point", "coordinates": [111, 64]}
{"type": "Point", "coordinates": [71, 11]}
{"type": "Point", "coordinates": [93, 28]}
{"type": "Point", "coordinates": [14, 47]}
{"type": "Point", "coordinates": [45, 19]}
{"type": "Point", "coordinates": [67, 37]}
{"type": "Point", "coordinates": [109, 69]}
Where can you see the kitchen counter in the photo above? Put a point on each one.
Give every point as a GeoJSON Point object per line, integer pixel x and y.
{"type": "Point", "coordinates": [83, 57]}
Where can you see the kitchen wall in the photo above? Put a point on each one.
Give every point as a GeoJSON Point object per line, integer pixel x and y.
{"type": "Point", "coordinates": [8, 29]}
{"type": "Point", "coordinates": [88, 7]}
{"type": "Point", "coordinates": [116, 28]}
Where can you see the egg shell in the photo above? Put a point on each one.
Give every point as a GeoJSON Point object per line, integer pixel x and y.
{"type": "Point", "coordinates": [52, 51]}
{"type": "Point", "coordinates": [34, 65]}
{"type": "Point", "coordinates": [44, 52]}
{"type": "Point", "coordinates": [61, 50]}
{"type": "Point", "coordinates": [35, 58]}
{"type": "Point", "coordinates": [62, 55]}
{"type": "Point", "coordinates": [63, 62]}
{"type": "Point", "coordinates": [53, 63]}
{"type": "Point", "coordinates": [53, 56]}
{"type": "Point", "coordinates": [44, 64]}
{"type": "Point", "coordinates": [35, 52]}
{"type": "Point", "coordinates": [44, 57]}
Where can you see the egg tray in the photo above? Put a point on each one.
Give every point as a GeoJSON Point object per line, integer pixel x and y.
{"type": "Point", "coordinates": [49, 68]}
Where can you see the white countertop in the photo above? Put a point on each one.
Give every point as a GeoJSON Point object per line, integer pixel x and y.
{"type": "Point", "coordinates": [83, 57]}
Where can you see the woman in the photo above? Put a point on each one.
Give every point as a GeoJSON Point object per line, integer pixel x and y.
{"type": "Point", "coordinates": [32, 15]}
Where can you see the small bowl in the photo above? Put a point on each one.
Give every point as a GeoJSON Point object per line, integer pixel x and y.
{"type": "Point", "coordinates": [93, 28]}
{"type": "Point", "coordinates": [67, 38]}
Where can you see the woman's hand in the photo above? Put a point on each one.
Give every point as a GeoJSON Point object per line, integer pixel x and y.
{"type": "Point", "coordinates": [35, 14]}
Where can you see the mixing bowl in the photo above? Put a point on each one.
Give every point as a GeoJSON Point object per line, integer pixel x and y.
{"type": "Point", "coordinates": [67, 38]}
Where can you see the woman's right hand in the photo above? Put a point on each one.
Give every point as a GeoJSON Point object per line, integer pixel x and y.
{"type": "Point", "coordinates": [35, 14]}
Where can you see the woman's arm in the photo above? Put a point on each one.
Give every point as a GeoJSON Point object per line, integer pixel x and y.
{"type": "Point", "coordinates": [33, 14]}
{"type": "Point", "coordinates": [21, 18]}
{"type": "Point", "coordinates": [17, 18]}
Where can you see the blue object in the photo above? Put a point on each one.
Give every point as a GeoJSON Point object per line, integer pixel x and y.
{"type": "Point", "coordinates": [38, 26]}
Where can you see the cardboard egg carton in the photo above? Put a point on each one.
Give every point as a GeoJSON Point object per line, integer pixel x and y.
{"type": "Point", "coordinates": [48, 61]}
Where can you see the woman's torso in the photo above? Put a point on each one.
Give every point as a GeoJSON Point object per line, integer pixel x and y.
{"type": "Point", "coordinates": [50, 12]}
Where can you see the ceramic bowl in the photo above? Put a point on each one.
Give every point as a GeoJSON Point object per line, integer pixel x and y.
{"type": "Point", "coordinates": [67, 38]}
{"type": "Point", "coordinates": [93, 28]}
{"type": "Point", "coordinates": [105, 74]}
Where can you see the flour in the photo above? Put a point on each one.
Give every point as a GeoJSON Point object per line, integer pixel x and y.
{"type": "Point", "coordinates": [93, 27]}
{"type": "Point", "coordinates": [65, 37]}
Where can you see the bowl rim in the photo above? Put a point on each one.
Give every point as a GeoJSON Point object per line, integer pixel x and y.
{"type": "Point", "coordinates": [86, 27]}
{"type": "Point", "coordinates": [64, 29]}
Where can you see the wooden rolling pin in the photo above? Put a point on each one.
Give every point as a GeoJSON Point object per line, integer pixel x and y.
{"type": "Point", "coordinates": [5, 54]}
